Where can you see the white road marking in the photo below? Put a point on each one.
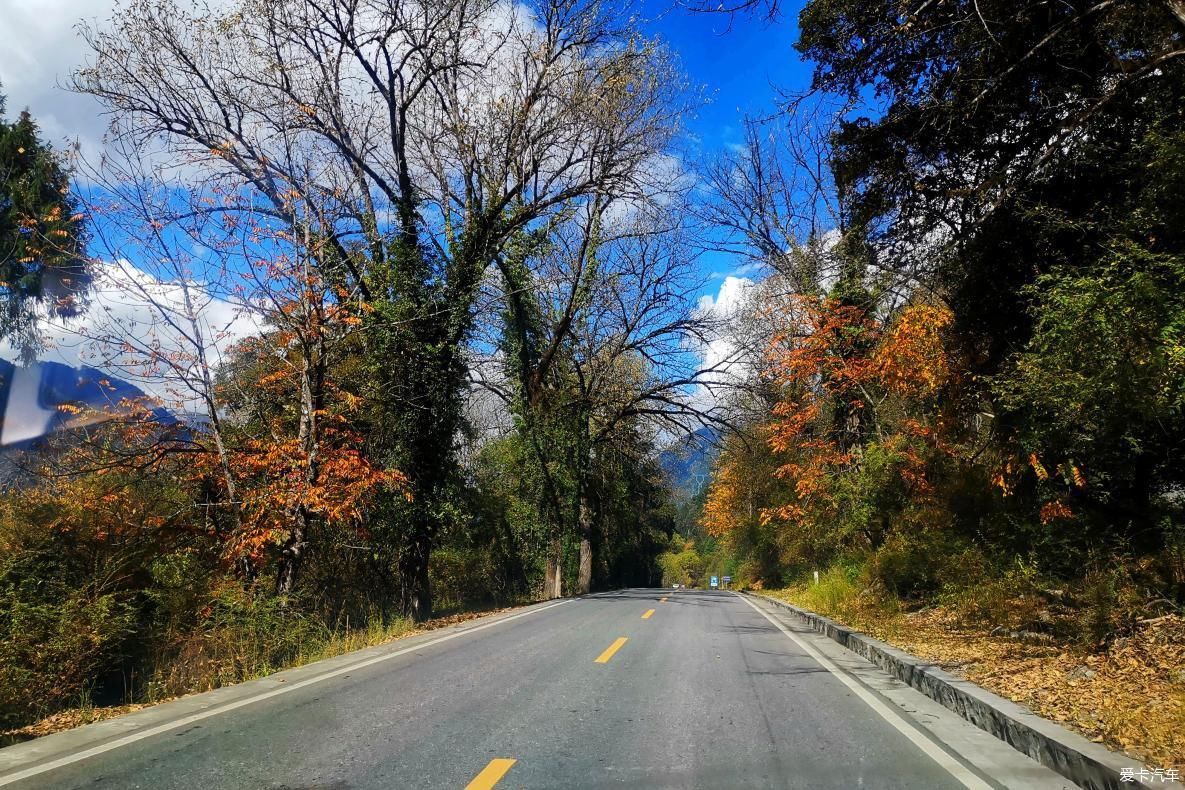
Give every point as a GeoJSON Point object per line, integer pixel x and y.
{"type": "Point", "coordinates": [955, 768]}
{"type": "Point", "coordinates": [205, 714]}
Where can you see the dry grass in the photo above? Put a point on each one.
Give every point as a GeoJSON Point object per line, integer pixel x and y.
{"type": "Point", "coordinates": [67, 720]}
{"type": "Point", "coordinates": [1129, 695]}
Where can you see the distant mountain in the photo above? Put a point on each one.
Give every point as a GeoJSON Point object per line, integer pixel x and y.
{"type": "Point", "coordinates": [32, 397]}
{"type": "Point", "coordinates": [688, 462]}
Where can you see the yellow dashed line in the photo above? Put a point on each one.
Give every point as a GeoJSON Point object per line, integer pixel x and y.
{"type": "Point", "coordinates": [648, 613]}
{"type": "Point", "coordinates": [603, 658]}
{"type": "Point", "coordinates": [490, 775]}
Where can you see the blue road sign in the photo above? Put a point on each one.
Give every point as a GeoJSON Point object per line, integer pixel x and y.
{"type": "Point", "coordinates": [715, 582]}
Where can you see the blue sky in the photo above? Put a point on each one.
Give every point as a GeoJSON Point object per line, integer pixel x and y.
{"type": "Point", "coordinates": [739, 60]}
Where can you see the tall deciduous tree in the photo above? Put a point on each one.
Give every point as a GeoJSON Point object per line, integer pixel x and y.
{"type": "Point", "coordinates": [1003, 138]}
{"type": "Point", "coordinates": [601, 347]}
{"type": "Point", "coordinates": [1018, 157]}
{"type": "Point", "coordinates": [401, 145]}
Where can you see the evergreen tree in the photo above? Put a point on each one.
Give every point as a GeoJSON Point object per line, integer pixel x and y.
{"type": "Point", "coordinates": [41, 234]}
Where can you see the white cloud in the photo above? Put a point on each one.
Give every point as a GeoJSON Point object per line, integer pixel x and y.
{"type": "Point", "coordinates": [130, 310]}
{"type": "Point", "coordinates": [725, 354]}
{"type": "Point", "coordinates": [41, 48]}
{"type": "Point", "coordinates": [731, 297]}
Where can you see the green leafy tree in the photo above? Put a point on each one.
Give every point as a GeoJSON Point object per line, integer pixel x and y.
{"type": "Point", "coordinates": [1106, 427]}
{"type": "Point", "coordinates": [41, 234]}
{"type": "Point", "coordinates": [1025, 162]}
{"type": "Point", "coordinates": [997, 140]}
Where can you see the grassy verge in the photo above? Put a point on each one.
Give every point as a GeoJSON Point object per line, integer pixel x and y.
{"type": "Point", "coordinates": [1127, 692]}
{"type": "Point", "coordinates": [233, 654]}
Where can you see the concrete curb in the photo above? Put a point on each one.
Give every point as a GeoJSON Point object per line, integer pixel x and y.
{"type": "Point", "coordinates": [1087, 764]}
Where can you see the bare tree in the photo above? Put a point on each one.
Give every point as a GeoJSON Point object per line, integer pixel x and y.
{"type": "Point", "coordinates": [771, 204]}
{"type": "Point", "coordinates": [155, 323]}
{"type": "Point", "coordinates": [772, 201]}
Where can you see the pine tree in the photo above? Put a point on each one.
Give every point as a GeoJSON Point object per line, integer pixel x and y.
{"type": "Point", "coordinates": [41, 235]}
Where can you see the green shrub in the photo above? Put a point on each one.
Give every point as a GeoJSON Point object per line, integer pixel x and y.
{"type": "Point", "coordinates": [1010, 597]}
{"type": "Point", "coordinates": [462, 577]}
{"type": "Point", "coordinates": [55, 637]}
{"type": "Point", "coordinates": [908, 565]}
{"type": "Point", "coordinates": [240, 635]}
{"type": "Point", "coordinates": [685, 567]}
{"type": "Point", "coordinates": [836, 593]}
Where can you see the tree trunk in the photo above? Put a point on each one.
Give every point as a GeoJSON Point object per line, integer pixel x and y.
{"type": "Point", "coordinates": [312, 388]}
{"type": "Point", "coordinates": [558, 590]}
{"type": "Point", "coordinates": [290, 556]}
{"type": "Point", "coordinates": [417, 587]}
{"type": "Point", "coordinates": [197, 332]}
{"type": "Point", "coordinates": [550, 571]}
{"type": "Point", "coordinates": [553, 575]}
{"type": "Point", "coordinates": [584, 577]}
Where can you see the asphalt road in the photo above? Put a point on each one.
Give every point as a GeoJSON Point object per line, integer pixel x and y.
{"type": "Point", "coordinates": [707, 691]}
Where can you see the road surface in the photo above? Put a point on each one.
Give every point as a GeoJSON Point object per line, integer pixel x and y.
{"type": "Point", "coordinates": [639, 688]}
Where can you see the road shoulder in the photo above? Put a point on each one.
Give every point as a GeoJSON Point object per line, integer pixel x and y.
{"type": "Point", "coordinates": [1009, 725]}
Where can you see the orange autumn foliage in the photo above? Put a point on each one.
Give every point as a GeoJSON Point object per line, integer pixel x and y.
{"type": "Point", "coordinates": [98, 479]}
{"type": "Point", "coordinates": [837, 367]}
{"type": "Point", "coordinates": [723, 501]}
{"type": "Point", "coordinates": [300, 464]}
{"type": "Point", "coordinates": [911, 359]}
{"type": "Point", "coordinates": [274, 478]}
{"type": "Point", "coordinates": [1052, 511]}
{"type": "Point", "coordinates": [818, 362]}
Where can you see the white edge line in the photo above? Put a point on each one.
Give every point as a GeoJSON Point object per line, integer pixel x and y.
{"type": "Point", "coordinates": [955, 768]}
{"type": "Point", "coordinates": [94, 751]}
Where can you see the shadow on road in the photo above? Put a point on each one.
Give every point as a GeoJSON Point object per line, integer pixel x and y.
{"type": "Point", "coordinates": [685, 596]}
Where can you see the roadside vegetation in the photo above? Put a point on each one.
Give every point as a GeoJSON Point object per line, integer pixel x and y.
{"type": "Point", "coordinates": [1126, 693]}
{"type": "Point", "coordinates": [968, 414]}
